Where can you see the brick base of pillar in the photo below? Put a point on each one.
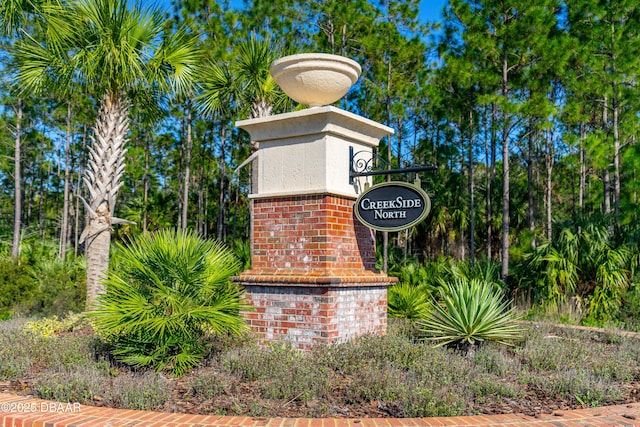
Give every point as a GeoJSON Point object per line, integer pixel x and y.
{"type": "Point", "coordinates": [312, 278]}
{"type": "Point", "coordinates": [304, 316]}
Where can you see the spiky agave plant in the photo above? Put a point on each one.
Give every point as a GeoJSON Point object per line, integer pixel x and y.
{"type": "Point", "coordinates": [169, 293]}
{"type": "Point", "coordinates": [470, 312]}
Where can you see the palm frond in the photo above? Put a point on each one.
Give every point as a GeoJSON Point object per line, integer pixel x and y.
{"type": "Point", "coordinates": [219, 91]}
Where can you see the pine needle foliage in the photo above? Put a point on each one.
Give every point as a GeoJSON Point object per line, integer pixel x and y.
{"type": "Point", "coordinates": [169, 292]}
{"type": "Point", "coordinates": [471, 311]}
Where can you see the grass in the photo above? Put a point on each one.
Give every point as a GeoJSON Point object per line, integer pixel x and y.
{"type": "Point", "coordinates": [394, 375]}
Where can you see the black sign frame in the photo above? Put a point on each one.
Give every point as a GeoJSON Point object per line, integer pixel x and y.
{"type": "Point", "coordinates": [388, 203]}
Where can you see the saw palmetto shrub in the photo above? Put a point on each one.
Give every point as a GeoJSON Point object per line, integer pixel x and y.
{"type": "Point", "coordinates": [408, 301]}
{"type": "Point", "coordinates": [169, 293]}
{"type": "Point", "coordinates": [587, 266]}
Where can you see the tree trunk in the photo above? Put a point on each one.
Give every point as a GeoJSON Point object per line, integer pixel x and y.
{"type": "Point", "coordinates": [583, 169]}
{"type": "Point", "coordinates": [17, 181]}
{"type": "Point", "coordinates": [606, 183]}
{"type": "Point", "coordinates": [187, 172]}
{"type": "Point", "coordinates": [549, 160]}
{"type": "Point", "coordinates": [606, 179]}
{"type": "Point", "coordinates": [616, 154]}
{"type": "Point", "coordinates": [385, 234]}
{"type": "Point", "coordinates": [504, 273]}
{"type": "Point", "coordinates": [64, 227]}
{"type": "Point", "coordinates": [78, 190]}
{"type": "Point", "coordinates": [201, 217]}
{"type": "Point", "coordinates": [41, 192]}
{"type": "Point", "coordinates": [223, 171]}
{"type": "Point", "coordinates": [103, 179]}
{"type": "Point", "coordinates": [472, 207]}
{"type": "Point", "coordinates": [399, 124]}
{"type": "Point", "coordinates": [145, 190]}
{"type": "Point", "coordinates": [530, 200]}
{"type": "Point", "coordinates": [76, 225]}
{"type": "Point", "coordinates": [491, 174]}
{"type": "Point", "coordinates": [616, 128]}
{"type": "Point", "coordinates": [97, 255]}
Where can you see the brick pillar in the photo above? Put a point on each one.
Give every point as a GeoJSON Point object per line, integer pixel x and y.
{"type": "Point", "coordinates": [314, 236]}
{"type": "Point", "coordinates": [312, 278]}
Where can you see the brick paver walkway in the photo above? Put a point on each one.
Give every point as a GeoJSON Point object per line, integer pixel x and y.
{"type": "Point", "coordinates": [21, 411]}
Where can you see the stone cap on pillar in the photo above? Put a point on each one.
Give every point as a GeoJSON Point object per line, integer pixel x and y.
{"type": "Point", "coordinates": [307, 151]}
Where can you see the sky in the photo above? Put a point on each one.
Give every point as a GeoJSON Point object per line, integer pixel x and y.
{"type": "Point", "coordinates": [430, 10]}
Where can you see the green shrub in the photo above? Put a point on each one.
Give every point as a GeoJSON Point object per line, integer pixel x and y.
{"type": "Point", "coordinates": [628, 314]}
{"type": "Point", "coordinates": [170, 291]}
{"type": "Point", "coordinates": [16, 286]}
{"type": "Point", "coordinates": [15, 355]}
{"type": "Point", "coordinates": [49, 326]}
{"type": "Point", "coordinates": [551, 352]}
{"type": "Point", "coordinates": [487, 388]}
{"type": "Point", "coordinates": [376, 383]}
{"type": "Point", "coordinates": [60, 286]}
{"type": "Point", "coordinates": [583, 262]}
{"type": "Point", "coordinates": [580, 385]}
{"type": "Point", "coordinates": [66, 352]}
{"type": "Point", "coordinates": [495, 361]}
{"type": "Point", "coordinates": [242, 249]}
{"type": "Point", "coordinates": [40, 284]}
{"type": "Point", "coordinates": [470, 312]}
{"type": "Point", "coordinates": [424, 401]}
{"type": "Point", "coordinates": [85, 384]}
{"type": "Point", "coordinates": [408, 301]}
{"type": "Point", "coordinates": [21, 349]}
{"type": "Point", "coordinates": [208, 384]}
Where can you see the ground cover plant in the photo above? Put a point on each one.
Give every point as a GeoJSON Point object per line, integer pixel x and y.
{"type": "Point", "coordinates": [167, 336]}
{"type": "Point", "coordinates": [395, 375]}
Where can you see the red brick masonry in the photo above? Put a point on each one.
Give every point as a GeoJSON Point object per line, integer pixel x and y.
{"type": "Point", "coordinates": [312, 277]}
{"type": "Point", "coordinates": [21, 411]}
{"type": "Point", "coordinates": [305, 316]}
{"type": "Point", "coordinates": [315, 235]}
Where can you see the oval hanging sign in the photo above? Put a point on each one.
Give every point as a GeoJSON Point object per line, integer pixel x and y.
{"type": "Point", "coordinates": [392, 206]}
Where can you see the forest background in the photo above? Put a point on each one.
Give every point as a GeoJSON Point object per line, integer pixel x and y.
{"type": "Point", "coordinates": [529, 108]}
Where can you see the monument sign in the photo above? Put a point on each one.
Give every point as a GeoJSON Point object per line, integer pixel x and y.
{"type": "Point", "coordinates": [392, 206]}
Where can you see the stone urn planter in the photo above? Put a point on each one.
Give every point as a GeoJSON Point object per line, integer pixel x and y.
{"type": "Point", "coordinates": [315, 79]}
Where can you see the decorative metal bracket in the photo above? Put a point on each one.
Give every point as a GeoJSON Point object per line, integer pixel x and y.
{"type": "Point", "coordinates": [360, 164]}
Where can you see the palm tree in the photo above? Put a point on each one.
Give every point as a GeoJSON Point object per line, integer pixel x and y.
{"type": "Point", "coordinates": [258, 90]}
{"type": "Point", "coordinates": [114, 49]}
{"type": "Point", "coordinates": [244, 86]}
